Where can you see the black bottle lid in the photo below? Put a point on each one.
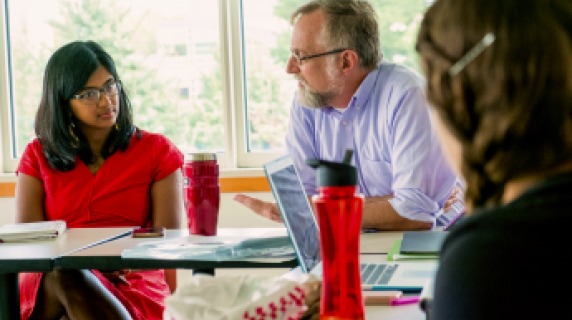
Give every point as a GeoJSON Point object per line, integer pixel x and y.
{"type": "Point", "coordinates": [335, 173]}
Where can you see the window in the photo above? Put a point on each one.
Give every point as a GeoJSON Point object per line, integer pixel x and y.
{"type": "Point", "coordinates": [208, 74]}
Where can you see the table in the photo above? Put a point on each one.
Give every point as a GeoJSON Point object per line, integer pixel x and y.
{"type": "Point", "coordinates": [405, 312]}
{"type": "Point", "coordinates": [109, 254]}
{"type": "Point", "coordinates": [373, 246]}
{"type": "Point", "coordinates": [378, 242]}
{"type": "Point", "coordinates": [39, 257]}
{"type": "Point", "coordinates": [77, 248]}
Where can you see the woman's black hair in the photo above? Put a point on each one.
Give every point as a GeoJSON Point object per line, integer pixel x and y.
{"type": "Point", "coordinates": [67, 72]}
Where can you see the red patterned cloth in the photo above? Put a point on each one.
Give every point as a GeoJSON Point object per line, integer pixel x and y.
{"type": "Point", "coordinates": [117, 196]}
{"type": "Point", "coordinates": [247, 297]}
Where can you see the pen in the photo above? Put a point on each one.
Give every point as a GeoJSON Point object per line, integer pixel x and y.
{"type": "Point", "coordinates": [404, 301]}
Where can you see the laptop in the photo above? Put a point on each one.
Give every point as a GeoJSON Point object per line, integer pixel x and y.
{"type": "Point", "coordinates": [302, 228]}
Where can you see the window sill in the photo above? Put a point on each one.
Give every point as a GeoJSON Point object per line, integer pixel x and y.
{"type": "Point", "coordinates": [231, 181]}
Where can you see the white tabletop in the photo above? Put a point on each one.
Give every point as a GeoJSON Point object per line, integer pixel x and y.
{"type": "Point", "coordinates": [117, 246]}
{"type": "Point", "coordinates": [79, 242]}
{"type": "Point", "coordinates": [73, 239]}
{"type": "Point", "coordinates": [379, 242]}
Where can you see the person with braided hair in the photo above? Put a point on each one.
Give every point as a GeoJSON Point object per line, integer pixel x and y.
{"type": "Point", "coordinates": [499, 82]}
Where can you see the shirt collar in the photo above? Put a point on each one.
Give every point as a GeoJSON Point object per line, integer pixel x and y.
{"type": "Point", "coordinates": [362, 94]}
{"type": "Point", "coordinates": [365, 89]}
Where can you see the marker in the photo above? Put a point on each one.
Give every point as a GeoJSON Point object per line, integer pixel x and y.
{"type": "Point", "coordinates": [380, 298]}
{"type": "Point", "coordinates": [404, 301]}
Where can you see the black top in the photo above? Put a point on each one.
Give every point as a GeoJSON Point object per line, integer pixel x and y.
{"type": "Point", "coordinates": [331, 174]}
{"type": "Point", "coordinates": [511, 262]}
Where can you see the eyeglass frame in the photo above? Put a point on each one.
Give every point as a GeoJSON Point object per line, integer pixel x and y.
{"type": "Point", "coordinates": [300, 60]}
{"type": "Point", "coordinates": [100, 91]}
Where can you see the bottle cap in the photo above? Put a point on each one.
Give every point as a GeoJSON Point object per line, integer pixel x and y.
{"type": "Point", "coordinates": [200, 156]}
{"type": "Point", "coordinates": [335, 173]}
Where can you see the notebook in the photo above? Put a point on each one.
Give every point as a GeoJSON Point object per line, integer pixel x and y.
{"type": "Point", "coordinates": [302, 227]}
{"type": "Point", "coordinates": [422, 242]}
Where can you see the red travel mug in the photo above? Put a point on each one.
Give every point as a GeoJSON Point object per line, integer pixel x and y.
{"type": "Point", "coordinates": [202, 193]}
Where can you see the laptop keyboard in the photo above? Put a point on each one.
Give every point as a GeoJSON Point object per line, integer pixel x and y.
{"type": "Point", "coordinates": [377, 273]}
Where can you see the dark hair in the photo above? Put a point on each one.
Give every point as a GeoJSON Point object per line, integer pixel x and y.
{"type": "Point", "coordinates": [67, 71]}
{"type": "Point", "coordinates": [351, 24]}
{"type": "Point", "coordinates": [510, 107]}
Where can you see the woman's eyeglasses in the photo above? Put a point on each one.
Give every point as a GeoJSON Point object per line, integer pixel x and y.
{"type": "Point", "coordinates": [94, 94]}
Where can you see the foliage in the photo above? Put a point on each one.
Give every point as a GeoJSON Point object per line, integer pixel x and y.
{"type": "Point", "coordinates": [27, 88]}
{"type": "Point", "coordinates": [155, 99]}
{"type": "Point", "coordinates": [106, 22]}
{"type": "Point", "coordinates": [189, 114]}
{"type": "Point", "coordinates": [398, 24]}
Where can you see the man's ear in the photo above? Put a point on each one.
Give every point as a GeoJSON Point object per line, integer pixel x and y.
{"type": "Point", "coordinates": [350, 61]}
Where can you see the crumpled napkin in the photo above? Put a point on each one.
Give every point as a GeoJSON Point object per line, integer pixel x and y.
{"type": "Point", "coordinates": [241, 297]}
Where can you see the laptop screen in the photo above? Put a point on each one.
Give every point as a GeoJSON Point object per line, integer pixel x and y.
{"type": "Point", "coordinates": [296, 211]}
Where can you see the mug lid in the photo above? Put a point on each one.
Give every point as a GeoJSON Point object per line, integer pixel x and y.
{"type": "Point", "coordinates": [200, 156]}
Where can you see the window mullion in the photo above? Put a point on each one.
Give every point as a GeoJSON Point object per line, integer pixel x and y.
{"type": "Point", "coordinates": [7, 162]}
{"type": "Point", "coordinates": [237, 78]}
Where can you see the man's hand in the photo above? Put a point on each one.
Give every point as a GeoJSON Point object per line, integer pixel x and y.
{"type": "Point", "coordinates": [266, 209]}
{"type": "Point", "coordinates": [453, 197]}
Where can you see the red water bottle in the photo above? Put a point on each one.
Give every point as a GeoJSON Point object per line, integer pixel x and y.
{"type": "Point", "coordinates": [339, 212]}
{"type": "Point", "coordinates": [202, 193]}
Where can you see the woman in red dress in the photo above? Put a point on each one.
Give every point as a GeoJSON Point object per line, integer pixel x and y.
{"type": "Point", "coordinates": [90, 166]}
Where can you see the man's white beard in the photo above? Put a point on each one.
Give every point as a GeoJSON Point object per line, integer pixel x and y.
{"type": "Point", "coordinates": [314, 99]}
{"type": "Point", "coordinates": [309, 97]}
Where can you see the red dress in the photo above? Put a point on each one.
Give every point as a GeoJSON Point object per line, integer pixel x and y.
{"type": "Point", "coordinates": [117, 196]}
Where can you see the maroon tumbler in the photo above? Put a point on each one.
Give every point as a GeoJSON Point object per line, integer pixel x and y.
{"type": "Point", "coordinates": [202, 193]}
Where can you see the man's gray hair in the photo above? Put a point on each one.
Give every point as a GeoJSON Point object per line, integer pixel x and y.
{"type": "Point", "coordinates": [350, 24]}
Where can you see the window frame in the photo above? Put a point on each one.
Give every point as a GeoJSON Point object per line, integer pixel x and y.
{"type": "Point", "coordinates": [236, 156]}
{"type": "Point", "coordinates": [236, 160]}
{"type": "Point", "coordinates": [7, 162]}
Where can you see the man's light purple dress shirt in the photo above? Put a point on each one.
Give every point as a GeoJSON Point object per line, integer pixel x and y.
{"type": "Point", "coordinates": [396, 151]}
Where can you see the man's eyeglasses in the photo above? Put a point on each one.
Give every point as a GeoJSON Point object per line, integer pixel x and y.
{"type": "Point", "coordinates": [300, 60]}
{"type": "Point", "coordinates": [93, 95]}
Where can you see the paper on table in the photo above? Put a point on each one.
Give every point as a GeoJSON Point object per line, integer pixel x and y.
{"type": "Point", "coordinates": [32, 231]}
{"type": "Point", "coordinates": [215, 249]}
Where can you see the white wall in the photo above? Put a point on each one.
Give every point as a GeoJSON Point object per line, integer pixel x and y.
{"type": "Point", "coordinates": [7, 210]}
{"type": "Point", "coordinates": [232, 214]}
